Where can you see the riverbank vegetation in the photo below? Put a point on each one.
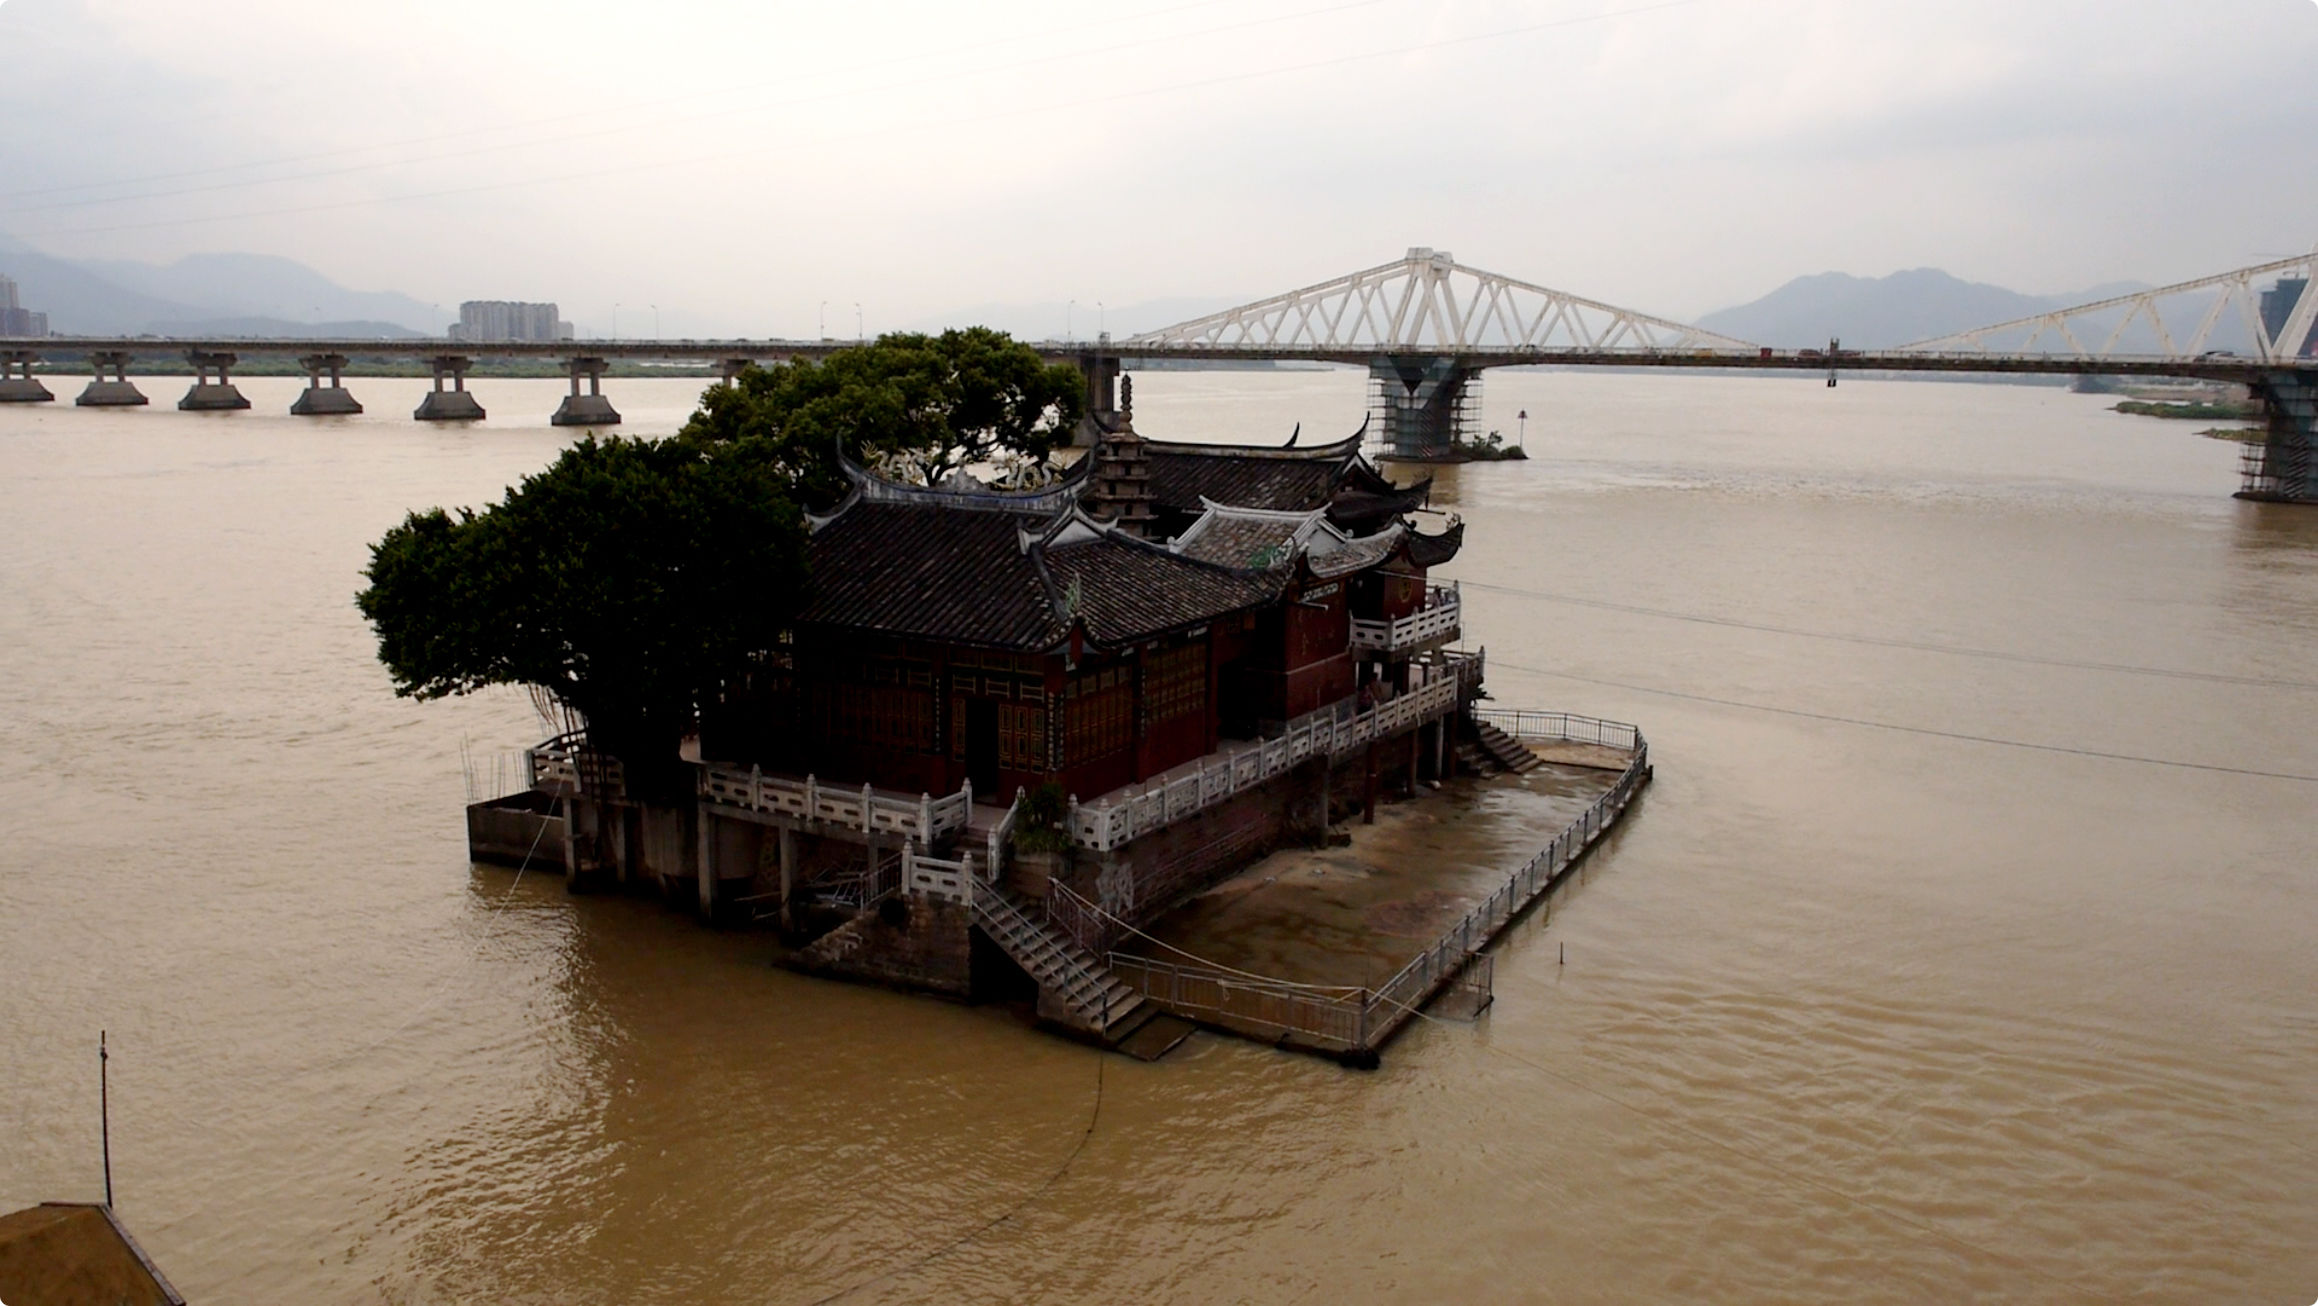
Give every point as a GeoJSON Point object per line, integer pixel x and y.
{"type": "Point", "coordinates": [1489, 448]}
{"type": "Point", "coordinates": [2194, 410]}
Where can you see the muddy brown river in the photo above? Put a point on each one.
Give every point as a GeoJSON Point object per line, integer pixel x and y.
{"type": "Point", "coordinates": [1962, 950]}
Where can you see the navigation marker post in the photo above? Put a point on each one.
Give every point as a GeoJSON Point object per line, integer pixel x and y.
{"type": "Point", "coordinates": [105, 1116]}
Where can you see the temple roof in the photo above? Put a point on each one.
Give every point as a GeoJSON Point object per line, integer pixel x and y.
{"type": "Point", "coordinates": [1012, 580]}
{"type": "Point", "coordinates": [961, 492]}
{"type": "Point", "coordinates": [965, 562]}
{"type": "Point", "coordinates": [1285, 479]}
{"type": "Point", "coordinates": [1233, 536]}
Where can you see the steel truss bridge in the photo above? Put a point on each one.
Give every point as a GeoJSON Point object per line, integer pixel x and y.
{"type": "Point", "coordinates": [1425, 327]}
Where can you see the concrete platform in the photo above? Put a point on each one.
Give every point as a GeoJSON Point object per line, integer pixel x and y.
{"type": "Point", "coordinates": [208, 398]}
{"type": "Point", "coordinates": [585, 410]}
{"type": "Point", "coordinates": [1599, 757]}
{"type": "Point", "coordinates": [1356, 915]}
{"type": "Point", "coordinates": [112, 394]}
{"type": "Point", "coordinates": [448, 406]}
{"type": "Point", "coordinates": [23, 390]}
{"type": "Point", "coordinates": [325, 401]}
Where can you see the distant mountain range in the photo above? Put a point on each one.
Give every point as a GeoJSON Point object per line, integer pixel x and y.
{"type": "Point", "coordinates": [1880, 312]}
{"type": "Point", "coordinates": [207, 294]}
{"type": "Point", "coordinates": [263, 295]}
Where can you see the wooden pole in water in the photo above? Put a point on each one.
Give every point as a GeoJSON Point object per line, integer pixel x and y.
{"type": "Point", "coordinates": [105, 1115]}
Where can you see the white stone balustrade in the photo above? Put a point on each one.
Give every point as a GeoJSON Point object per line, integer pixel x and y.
{"type": "Point", "coordinates": [939, 878]}
{"type": "Point", "coordinates": [1441, 618]}
{"type": "Point", "coordinates": [925, 818]}
{"type": "Point", "coordinates": [1109, 824]}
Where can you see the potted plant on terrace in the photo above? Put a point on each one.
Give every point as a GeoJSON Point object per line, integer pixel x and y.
{"type": "Point", "coordinates": [1041, 840]}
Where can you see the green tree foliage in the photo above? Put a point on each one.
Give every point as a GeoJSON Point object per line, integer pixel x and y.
{"type": "Point", "coordinates": [931, 404]}
{"type": "Point", "coordinates": [631, 579]}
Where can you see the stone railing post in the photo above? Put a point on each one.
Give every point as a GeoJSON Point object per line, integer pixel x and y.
{"type": "Point", "coordinates": [867, 806]}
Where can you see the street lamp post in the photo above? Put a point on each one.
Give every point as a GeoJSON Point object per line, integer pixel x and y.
{"type": "Point", "coordinates": [858, 336]}
{"type": "Point", "coordinates": [824, 319]}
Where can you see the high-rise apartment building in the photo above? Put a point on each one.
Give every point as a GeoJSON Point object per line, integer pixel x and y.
{"type": "Point", "coordinates": [502, 319]}
{"type": "Point", "coordinates": [2278, 305]}
{"type": "Point", "coordinates": [15, 319]}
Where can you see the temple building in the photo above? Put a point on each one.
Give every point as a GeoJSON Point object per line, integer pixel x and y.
{"type": "Point", "coordinates": [1130, 683]}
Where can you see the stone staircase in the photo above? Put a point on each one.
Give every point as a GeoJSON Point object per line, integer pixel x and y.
{"type": "Point", "coordinates": [1492, 751]}
{"type": "Point", "coordinates": [1074, 986]}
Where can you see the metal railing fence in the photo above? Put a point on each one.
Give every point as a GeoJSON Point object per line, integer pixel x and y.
{"type": "Point", "coordinates": [1362, 1019]}
{"type": "Point", "coordinates": [1335, 1021]}
{"type": "Point", "coordinates": [1522, 723]}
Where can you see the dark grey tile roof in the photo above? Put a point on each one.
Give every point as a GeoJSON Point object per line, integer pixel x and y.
{"type": "Point", "coordinates": [1240, 541]}
{"type": "Point", "coordinates": [1334, 476]}
{"type": "Point", "coordinates": [957, 575]}
{"type": "Point", "coordinates": [945, 574]}
{"type": "Point", "coordinates": [1127, 590]}
{"type": "Point", "coordinates": [1433, 550]}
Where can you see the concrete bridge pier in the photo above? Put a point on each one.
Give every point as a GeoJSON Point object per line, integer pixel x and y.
{"type": "Point", "coordinates": [17, 384]}
{"type": "Point", "coordinates": [207, 396]}
{"type": "Point", "coordinates": [731, 369]}
{"type": "Point", "coordinates": [2283, 468]}
{"type": "Point", "coordinates": [321, 400]}
{"type": "Point", "coordinates": [116, 393]}
{"type": "Point", "coordinates": [453, 404]}
{"type": "Point", "coordinates": [591, 408]}
{"type": "Point", "coordinates": [1423, 406]}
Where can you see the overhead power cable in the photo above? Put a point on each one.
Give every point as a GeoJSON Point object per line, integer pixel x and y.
{"type": "Point", "coordinates": [1919, 1225]}
{"type": "Point", "coordinates": [1021, 1204]}
{"type": "Point", "coordinates": [1885, 641]}
{"type": "Point", "coordinates": [1896, 727]}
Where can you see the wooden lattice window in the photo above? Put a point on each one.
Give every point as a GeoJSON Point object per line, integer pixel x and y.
{"type": "Point", "coordinates": [1098, 714]}
{"type": "Point", "coordinates": [1021, 737]}
{"type": "Point", "coordinates": [1174, 684]}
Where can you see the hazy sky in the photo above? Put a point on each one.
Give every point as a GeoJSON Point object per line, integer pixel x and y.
{"type": "Point", "coordinates": [740, 163]}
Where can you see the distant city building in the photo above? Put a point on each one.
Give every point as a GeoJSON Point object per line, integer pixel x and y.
{"type": "Point", "coordinates": [501, 319]}
{"type": "Point", "coordinates": [15, 319]}
{"type": "Point", "coordinates": [2278, 304]}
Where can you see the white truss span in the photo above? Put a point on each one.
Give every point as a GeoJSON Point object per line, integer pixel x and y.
{"type": "Point", "coordinates": [2193, 319]}
{"type": "Point", "coordinates": [1426, 303]}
